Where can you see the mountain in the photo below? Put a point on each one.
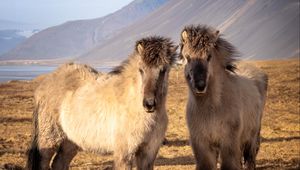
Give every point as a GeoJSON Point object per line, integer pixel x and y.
{"type": "Point", "coordinates": [73, 38]}
{"type": "Point", "coordinates": [13, 33]}
{"type": "Point", "coordinates": [259, 29]}
{"type": "Point", "coordinates": [10, 38]}
{"type": "Point", "coordinates": [267, 29]}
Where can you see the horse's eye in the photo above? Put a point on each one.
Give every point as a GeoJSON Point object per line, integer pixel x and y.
{"type": "Point", "coordinates": [209, 57]}
{"type": "Point", "coordinates": [162, 71]}
{"type": "Point", "coordinates": [141, 71]}
{"type": "Point", "coordinates": [188, 58]}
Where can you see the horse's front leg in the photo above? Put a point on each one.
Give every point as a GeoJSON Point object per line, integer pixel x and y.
{"type": "Point", "coordinates": [231, 155]}
{"type": "Point", "coordinates": [206, 157]}
{"type": "Point", "coordinates": [146, 154]}
{"type": "Point", "coordinates": [122, 160]}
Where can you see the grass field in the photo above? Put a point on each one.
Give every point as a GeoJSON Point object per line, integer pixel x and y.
{"type": "Point", "coordinates": [280, 148]}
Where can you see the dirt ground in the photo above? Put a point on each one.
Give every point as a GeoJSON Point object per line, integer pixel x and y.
{"type": "Point", "coordinates": [280, 148]}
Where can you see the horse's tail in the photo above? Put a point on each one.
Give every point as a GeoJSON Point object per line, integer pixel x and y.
{"type": "Point", "coordinates": [33, 153]}
{"type": "Point", "coordinates": [262, 85]}
{"type": "Point", "coordinates": [261, 81]}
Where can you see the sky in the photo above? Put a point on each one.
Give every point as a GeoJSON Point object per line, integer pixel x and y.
{"type": "Point", "coordinates": [45, 13]}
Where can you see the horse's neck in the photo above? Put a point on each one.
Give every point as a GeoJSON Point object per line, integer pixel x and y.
{"type": "Point", "coordinates": [129, 80]}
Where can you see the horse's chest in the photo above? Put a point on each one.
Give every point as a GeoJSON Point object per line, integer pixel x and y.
{"type": "Point", "coordinates": [209, 126]}
{"type": "Point", "coordinates": [213, 129]}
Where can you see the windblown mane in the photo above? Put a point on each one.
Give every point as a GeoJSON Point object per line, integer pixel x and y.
{"type": "Point", "coordinates": [228, 53]}
{"type": "Point", "coordinates": [156, 51]}
{"type": "Point", "coordinates": [202, 38]}
{"type": "Point", "coordinates": [119, 69]}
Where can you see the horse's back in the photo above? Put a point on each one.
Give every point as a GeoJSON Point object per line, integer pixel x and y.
{"type": "Point", "coordinates": [253, 84]}
{"type": "Point", "coordinates": [255, 74]}
{"type": "Point", "coordinates": [67, 77]}
{"type": "Point", "coordinates": [53, 88]}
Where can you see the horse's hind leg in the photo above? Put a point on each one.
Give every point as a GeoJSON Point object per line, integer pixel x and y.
{"type": "Point", "coordinates": [250, 152]}
{"type": "Point", "coordinates": [47, 148]}
{"type": "Point", "coordinates": [66, 152]}
{"type": "Point", "coordinates": [48, 141]}
{"type": "Point", "coordinates": [46, 156]}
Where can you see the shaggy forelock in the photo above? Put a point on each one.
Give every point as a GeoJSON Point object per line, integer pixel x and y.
{"type": "Point", "coordinates": [157, 51]}
{"type": "Point", "coordinates": [203, 38]}
{"type": "Point", "coordinates": [200, 37]}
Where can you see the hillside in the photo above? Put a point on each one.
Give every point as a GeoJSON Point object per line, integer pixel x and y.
{"type": "Point", "coordinates": [280, 126]}
{"type": "Point", "coordinates": [266, 29]}
{"type": "Point", "coordinates": [259, 29]}
{"type": "Point", "coordinates": [75, 37]}
{"type": "Point", "coordinates": [9, 39]}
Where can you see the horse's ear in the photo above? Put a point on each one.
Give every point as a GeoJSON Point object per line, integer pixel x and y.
{"type": "Point", "coordinates": [217, 34]}
{"type": "Point", "coordinates": [140, 48]}
{"type": "Point", "coordinates": [179, 60]}
{"type": "Point", "coordinates": [173, 49]}
{"type": "Point", "coordinates": [184, 35]}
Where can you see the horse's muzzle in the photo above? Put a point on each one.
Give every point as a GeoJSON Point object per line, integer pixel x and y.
{"type": "Point", "coordinates": [200, 87]}
{"type": "Point", "coordinates": [149, 105]}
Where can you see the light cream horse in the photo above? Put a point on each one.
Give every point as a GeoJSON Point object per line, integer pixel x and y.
{"type": "Point", "coordinates": [225, 103]}
{"type": "Point", "coordinates": [121, 112]}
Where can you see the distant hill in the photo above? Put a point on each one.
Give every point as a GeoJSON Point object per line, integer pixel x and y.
{"type": "Point", "coordinates": [73, 38]}
{"type": "Point", "coordinates": [10, 38]}
{"type": "Point", "coordinates": [259, 29]}
{"type": "Point", "coordinates": [13, 33]}
{"type": "Point", "coordinates": [265, 29]}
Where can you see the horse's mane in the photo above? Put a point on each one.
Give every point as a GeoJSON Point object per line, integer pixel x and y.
{"type": "Point", "coordinates": [202, 37]}
{"type": "Point", "coordinates": [228, 53]}
{"type": "Point", "coordinates": [120, 68]}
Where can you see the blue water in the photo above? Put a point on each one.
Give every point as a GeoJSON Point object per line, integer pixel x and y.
{"type": "Point", "coordinates": [29, 72]}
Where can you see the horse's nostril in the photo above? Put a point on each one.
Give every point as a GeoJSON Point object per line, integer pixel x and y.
{"type": "Point", "coordinates": [149, 104]}
{"type": "Point", "coordinates": [200, 86]}
{"type": "Point", "coordinates": [201, 83]}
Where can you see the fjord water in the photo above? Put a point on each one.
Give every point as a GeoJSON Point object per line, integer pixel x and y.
{"type": "Point", "coordinates": [29, 72]}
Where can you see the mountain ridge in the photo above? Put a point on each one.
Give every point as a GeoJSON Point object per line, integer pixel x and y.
{"type": "Point", "coordinates": [266, 29]}
{"type": "Point", "coordinates": [72, 38]}
{"type": "Point", "coordinates": [264, 39]}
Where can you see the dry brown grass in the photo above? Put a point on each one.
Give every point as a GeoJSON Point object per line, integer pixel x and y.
{"type": "Point", "coordinates": [280, 147]}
